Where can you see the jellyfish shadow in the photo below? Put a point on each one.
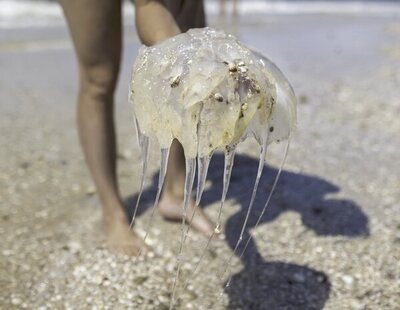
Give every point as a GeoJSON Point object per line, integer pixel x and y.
{"type": "Point", "coordinates": [298, 192]}
{"type": "Point", "coordinates": [273, 284]}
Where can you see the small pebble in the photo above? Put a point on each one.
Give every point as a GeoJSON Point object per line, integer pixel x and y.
{"type": "Point", "coordinates": [175, 81]}
{"type": "Point", "coordinates": [16, 301]}
{"type": "Point", "coordinates": [348, 280]}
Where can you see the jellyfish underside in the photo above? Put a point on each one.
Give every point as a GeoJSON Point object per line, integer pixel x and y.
{"type": "Point", "coordinates": [208, 91]}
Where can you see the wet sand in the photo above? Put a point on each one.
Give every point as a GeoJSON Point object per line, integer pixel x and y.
{"type": "Point", "coordinates": [330, 239]}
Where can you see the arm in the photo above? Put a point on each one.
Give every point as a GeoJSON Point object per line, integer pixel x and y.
{"type": "Point", "coordinates": [154, 22]}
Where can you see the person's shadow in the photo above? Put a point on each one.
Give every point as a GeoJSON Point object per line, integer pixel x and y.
{"type": "Point", "coordinates": [273, 284]}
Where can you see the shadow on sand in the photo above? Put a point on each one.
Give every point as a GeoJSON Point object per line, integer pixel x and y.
{"type": "Point", "coordinates": [272, 284]}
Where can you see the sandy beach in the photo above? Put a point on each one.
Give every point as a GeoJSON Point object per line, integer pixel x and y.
{"type": "Point", "coordinates": [329, 240]}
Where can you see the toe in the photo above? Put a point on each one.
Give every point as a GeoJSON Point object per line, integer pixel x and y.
{"type": "Point", "coordinates": [202, 223]}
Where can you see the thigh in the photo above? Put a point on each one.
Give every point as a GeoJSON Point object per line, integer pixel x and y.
{"type": "Point", "coordinates": [96, 30]}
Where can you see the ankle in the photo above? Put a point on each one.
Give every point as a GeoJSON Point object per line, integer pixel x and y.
{"type": "Point", "coordinates": [112, 210]}
{"type": "Point", "coordinates": [173, 193]}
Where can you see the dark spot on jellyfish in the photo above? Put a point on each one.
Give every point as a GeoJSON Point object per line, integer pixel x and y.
{"type": "Point", "coordinates": [241, 114]}
{"type": "Point", "coordinates": [226, 101]}
{"type": "Point", "coordinates": [272, 100]}
{"type": "Point", "coordinates": [210, 145]}
{"type": "Point", "coordinates": [225, 62]}
{"type": "Point", "coordinates": [226, 135]}
{"type": "Point", "coordinates": [176, 81]}
{"type": "Point", "coordinates": [271, 129]}
{"type": "Point", "coordinates": [259, 106]}
{"type": "Point", "coordinates": [303, 99]}
{"type": "Point", "coordinates": [255, 86]}
{"type": "Point", "coordinates": [218, 97]}
{"type": "Point", "coordinates": [232, 67]}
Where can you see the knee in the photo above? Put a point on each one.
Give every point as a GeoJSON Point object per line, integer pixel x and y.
{"type": "Point", "coordinates": [98, 81]}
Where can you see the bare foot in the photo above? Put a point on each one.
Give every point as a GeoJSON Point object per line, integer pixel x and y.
{"type": "Point", "coordinates": [120, 239]}
{"type": "Point", "coordinates": [170, 208]}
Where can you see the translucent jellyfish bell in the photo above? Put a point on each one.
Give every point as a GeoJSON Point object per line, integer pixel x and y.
{"type": "Point", "coordinates": [206, 89]}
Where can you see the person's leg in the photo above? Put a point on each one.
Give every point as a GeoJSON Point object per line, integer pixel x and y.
{"type": "Point", "coordinates": [95, 27]}
{"type": "Point", "coordinates": [222, 7]}
{"type": "Point", "coordinates": [188, 14]}
{"type": "Point", "coordinates": [156, 21]}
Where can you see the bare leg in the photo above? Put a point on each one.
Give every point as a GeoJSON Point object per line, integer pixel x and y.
{"type": "Point", "coordinates": [235, 8]}
{"type": "Point", "coordinates": [157, 20]}
{"type": "Point", "coordinates": [171, 201]}
{"type": "Point", "coordinates": [95, 27]}
{"type": "Point", "coordinates": [222, 7]}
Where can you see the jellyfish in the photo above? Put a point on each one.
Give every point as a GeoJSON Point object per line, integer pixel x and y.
{"type": "Point", "coordinates": [209, 91]}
